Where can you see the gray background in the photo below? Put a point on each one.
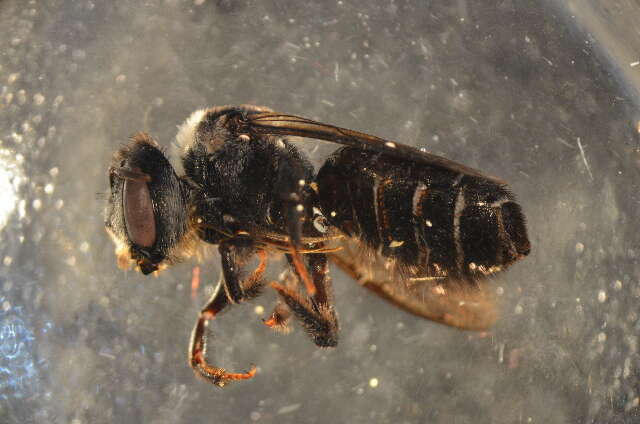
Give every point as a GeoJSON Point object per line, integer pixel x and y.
{"type": "Point", "coordinates": [508, 87]}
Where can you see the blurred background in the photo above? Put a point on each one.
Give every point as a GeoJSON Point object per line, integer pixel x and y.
{"type": "Point", "coordinates": [543, 94]}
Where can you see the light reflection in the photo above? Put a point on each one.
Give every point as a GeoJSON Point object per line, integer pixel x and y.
{"type": "Point", "coordinates": [18, 372]}
{"type": "Point", "coordinates": [10, 179]}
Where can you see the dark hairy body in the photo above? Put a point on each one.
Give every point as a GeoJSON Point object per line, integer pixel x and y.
{"type": "Point", "coordinates": [419, 230]}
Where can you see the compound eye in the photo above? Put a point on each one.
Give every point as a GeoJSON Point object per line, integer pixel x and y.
{"type": "Point", "coordinates": [138, 211]}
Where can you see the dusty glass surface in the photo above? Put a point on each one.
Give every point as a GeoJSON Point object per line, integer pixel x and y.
{"type": "Point", "coordinates": [542, 95]}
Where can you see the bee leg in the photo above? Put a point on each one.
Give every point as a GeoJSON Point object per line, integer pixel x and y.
{"type": "Point", "coordinates": [199, 341]}
{"type": "Point", "coordinates": [296, 261]}
{"type": "Point", "coordinates": [235, 253]}
{"type": "Point", "coordinates": [294, 195]}
{"type": "Point", "coordinates": [316, 313]}
{"type": "Point", "coordinates": [279, 319]}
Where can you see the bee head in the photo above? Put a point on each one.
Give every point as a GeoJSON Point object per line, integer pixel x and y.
{"type": "Point", "coordinates": [147, 214]}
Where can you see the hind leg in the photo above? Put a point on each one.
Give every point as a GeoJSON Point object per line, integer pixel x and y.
{"type": "Point", "coordinates": [316, 313]}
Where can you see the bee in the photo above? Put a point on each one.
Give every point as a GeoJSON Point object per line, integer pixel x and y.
{"type": "Point", "coordinates": [421, 231]}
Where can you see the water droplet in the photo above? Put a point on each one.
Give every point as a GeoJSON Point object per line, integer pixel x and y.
{"type": "Point", "coordinates": [17, 138]}
{"type": "Point", "coordinates": [57, 101]}
{"type": "Point", "coordinates": [22, 97]}
{"type": "Point", "coordinates": [38, 99]}
{"type": "Point", "coordinates": [602, 296]}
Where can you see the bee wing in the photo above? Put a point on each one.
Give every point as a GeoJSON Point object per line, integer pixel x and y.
{"type": "Point", "coordinates": [461, 304]}
{"type": "Point", "coordinates": [290, 125]}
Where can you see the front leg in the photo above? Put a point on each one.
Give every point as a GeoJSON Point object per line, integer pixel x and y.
{"type": "Point", "coordinates": [231, 289]}
{"type": "Point", "coordinates": [235, 253]}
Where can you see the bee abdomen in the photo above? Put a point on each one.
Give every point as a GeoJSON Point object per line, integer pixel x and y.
{"type": "Point", "coordinates": [491, 232]}
{"type": "Point", "coordinates": [434, 221]}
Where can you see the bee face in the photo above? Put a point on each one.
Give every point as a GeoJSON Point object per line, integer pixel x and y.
{"type": "Point", "coordinates": [147, 213]}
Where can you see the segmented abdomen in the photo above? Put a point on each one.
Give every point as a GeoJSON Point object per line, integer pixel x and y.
{"type": "Point", "coordinates": [434, 221]}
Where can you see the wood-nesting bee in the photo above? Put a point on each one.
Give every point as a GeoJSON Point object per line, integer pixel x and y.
{"type": "Point", "coordinates": [419, 230]}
